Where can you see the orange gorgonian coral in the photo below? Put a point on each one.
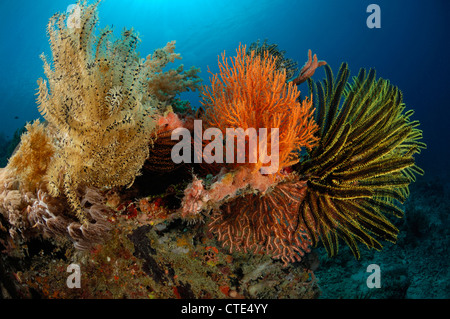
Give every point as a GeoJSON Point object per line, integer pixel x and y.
{"type": "Point", "coordinates": [252, 93]}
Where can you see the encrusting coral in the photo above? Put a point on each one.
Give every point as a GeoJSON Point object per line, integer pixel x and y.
{"type": "Point", "coordinates": [98, 105]}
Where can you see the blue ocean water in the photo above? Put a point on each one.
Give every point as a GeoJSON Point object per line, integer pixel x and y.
{"type": "Point", "coordinates": [411, 48]}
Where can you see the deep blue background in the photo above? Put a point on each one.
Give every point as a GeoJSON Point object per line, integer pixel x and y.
{"type": "Point", "coordinates": [411, 49]}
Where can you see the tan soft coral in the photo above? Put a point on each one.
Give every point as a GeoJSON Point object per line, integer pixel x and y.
{"type": "Point", "coordinates": [33, 156]}
{"type": "Point", "coordinates": [24, 175]}
{"type": "Point", "coordinates": [13, 202]}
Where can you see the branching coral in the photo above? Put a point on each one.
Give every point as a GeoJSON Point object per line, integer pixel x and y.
{"type": "Point", "coordinates": [165, 85]}
{"type": "Point", "coordinates": [98, 105]}
{"type": "Point", "coordinates": [106, 107]}
{"type": "Point", "coordinates": [363, 164]}
{"type": "Point", "coordinates": [227, 185]}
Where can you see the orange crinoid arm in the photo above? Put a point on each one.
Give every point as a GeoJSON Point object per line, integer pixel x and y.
{"type": "Point", "coordinates": [252, 93]}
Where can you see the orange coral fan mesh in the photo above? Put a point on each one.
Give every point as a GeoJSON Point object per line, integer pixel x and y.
{"type": "Point", "coordinates": [252, 93]}
{"type": "Point", "coordinates": [268, 224]}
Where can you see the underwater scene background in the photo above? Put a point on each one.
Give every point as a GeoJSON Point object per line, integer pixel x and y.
{"type": "Point", "coordinates": [411, 50]}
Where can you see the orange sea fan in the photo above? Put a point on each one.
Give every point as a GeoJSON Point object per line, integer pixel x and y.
{"type": "Point", "coordinates": [252, 93]}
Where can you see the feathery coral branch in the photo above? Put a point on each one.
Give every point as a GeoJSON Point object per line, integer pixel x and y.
{"type": "Point", "coordinates": [252, 93]}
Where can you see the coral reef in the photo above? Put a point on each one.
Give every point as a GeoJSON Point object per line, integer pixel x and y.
{"type": "Point", "coordinates": [281, 62]}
